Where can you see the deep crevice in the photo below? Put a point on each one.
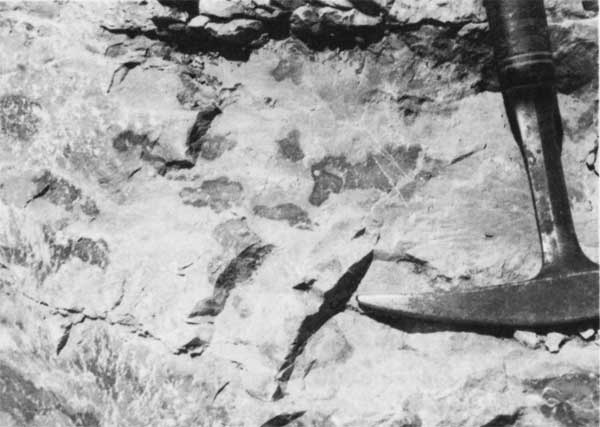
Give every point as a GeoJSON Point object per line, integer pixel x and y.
{"type": "Point", "coordinates": [505, 420]}
{"type": "Point", "coordinates": [334, 302]}
{"type": "Point", "coordinates": [282, 420]}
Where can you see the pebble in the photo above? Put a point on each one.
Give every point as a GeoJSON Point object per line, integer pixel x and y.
{"type": "Point", "coordinates": [587, 333]}
{"type": "Point", "coordinates": [527, 338]}
{"type": "Point", "coordinates": [554, 341]}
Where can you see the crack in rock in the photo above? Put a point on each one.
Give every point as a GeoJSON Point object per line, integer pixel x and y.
{"type": "Point", "coordinates": [505, 420]}
{"type": "Point", "coordinates": [127, 321]}
{"type": "Point", "coordinates": [282, 420]}
{"type": "Point", "coordinates": [195, 347]}
{"type": "Point", "coordinates": [334, 302]}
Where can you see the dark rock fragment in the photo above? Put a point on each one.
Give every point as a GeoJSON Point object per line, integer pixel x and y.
{"type": "Point", "coordinates": [289, 147]}
{"type": "Point", "coordinates": [288, 68]}
{"type": "Point", "coordinates": [219, 194]}
{"type": "Point", "coordinates": [325, 184]}
{"type": "Point", "coordinates": [293, 214]}
{"type": "Point", "coordinates": [237, 271]}
{"type": "Point", "coordinates": [14, 255]}
{"type": "Point", "coordinates": [504, 420]}
{"type": "Point", "coordinates": [213, 147]}
{"type": "Point", "coordinates": [93, 252]}
{"type": "Point", "coordinates": [61, 192]}
{"type": "Point", "coordinates": [591, 5]}
{"type": "Point", "coordinates": [411, 107]}
{"type": "Point", "coordinates": [575, 57]}
{"type": "Point", "coordinates": [18, 116]}
{"type": "Point", "coordinates": [305, 286]}
{"type": "Point", "coordinates": [571, 399]}
{"type": "Point", "coordinates": [235, 235]}
{"type": "Point", "coordinates": [194, 347]}
{"type": "Point", "coordinates": [359, 233]}
{"type": "Point", "coordinates": [128, 139]}
{"type": "Point", "coordinates": [379, 171]}
{"type": "Point", "coordinates": [199, 129]}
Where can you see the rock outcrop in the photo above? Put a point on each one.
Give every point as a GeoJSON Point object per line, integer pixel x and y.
{"type": "Point", "coordinates": [192, 192]}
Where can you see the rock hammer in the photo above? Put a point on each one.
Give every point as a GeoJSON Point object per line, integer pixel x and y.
{"type": "Point", "coordinates": [565, 290]}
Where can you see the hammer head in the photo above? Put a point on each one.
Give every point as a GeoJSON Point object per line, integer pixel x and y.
{"type": "Point", "coordinates": [546, 300]}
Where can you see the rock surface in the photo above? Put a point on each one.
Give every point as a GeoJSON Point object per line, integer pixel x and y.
{"type": "Point", "coordinates": [191, 194]}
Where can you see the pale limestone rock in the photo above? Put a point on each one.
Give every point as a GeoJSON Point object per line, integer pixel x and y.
{"type": "Point", "coordinates": [587, 334]}
{"type": "Point", "coordinates": [409, 12]}
{"type": "Point", "coordinates": [554, 341]}
{"type": "Point", "coordinates": [198, 22]}
{"type": "Point", "coordinates": [529, 339]}
{"type": "Point", "coordinates": [337, 4]}
{"type": "Point", "coordinates": [237, 31]}
{"type": "Point", "coordinates": [221, 8]}
{"type": "Point", "coordinates": [306, 16]}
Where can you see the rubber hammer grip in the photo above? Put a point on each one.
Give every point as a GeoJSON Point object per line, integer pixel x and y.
{"type": "Point", "coordinates": [519, 32]}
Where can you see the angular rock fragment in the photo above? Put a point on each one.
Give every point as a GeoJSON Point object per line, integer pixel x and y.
{"type": "Point", "coordinates": [289, 147]}
{"type": "Point", "coordinates": [19, 116]}
{"type": "Point", "coordinates": [456, 12]}
{"type": "Point", "coordinates": [587, 334]}
{"type": "Point", "coordinates": [293, 214]}
{"type": "Point", "coordinates": [129, 139]}
{"type": "Point", "coordinates": [570, 399]}
{"type": "Point", "coordinates": [235, 235]}
{"type": "Point", "coordinates": [236, 272]}
{"type": "Point", "coordinates": [575, 55]}
{"type": "Point", "coordinates": [239, 32]}
{"type": "Point", "coordinates": [224, 9]}
{"type": "Point", "coordinates": [201, 126]}
{"type": "Point", "coordinates": [195, 347]}
{"type": "Point", "coordinates": [320, 26]}
{"type": "Point", "coordinates": [554, 341]}
{"type": "Point", "coordinates": [381, 171]}
{"type": "Point", "coordinates": [61, 192]}
{"type": "Point", "coordinates": [93, 252]}
{"type": "Point", "coordinates": [529, 339]}
{"type": "Point", "coordinates": [218, 194]}
{"type": "Point", "coordinates": [213, 147]}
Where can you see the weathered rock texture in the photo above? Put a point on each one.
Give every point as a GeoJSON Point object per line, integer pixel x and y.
{"type": "Point", "coordinates": [192, 192]}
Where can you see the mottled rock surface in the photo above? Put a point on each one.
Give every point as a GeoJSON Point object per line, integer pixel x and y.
{"type": "Point", "coordinates": [191, 194]}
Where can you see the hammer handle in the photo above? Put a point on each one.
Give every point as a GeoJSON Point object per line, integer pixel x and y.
{"type": "Point", "coordinates": [519, 31]}
{"type": "Point", "coordinates": [527, 78]}
{"type": "Point", "coordinates": [521, 44]}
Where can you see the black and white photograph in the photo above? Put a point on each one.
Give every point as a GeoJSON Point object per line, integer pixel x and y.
{"type": "Point", "coordinates": [299, 213]}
